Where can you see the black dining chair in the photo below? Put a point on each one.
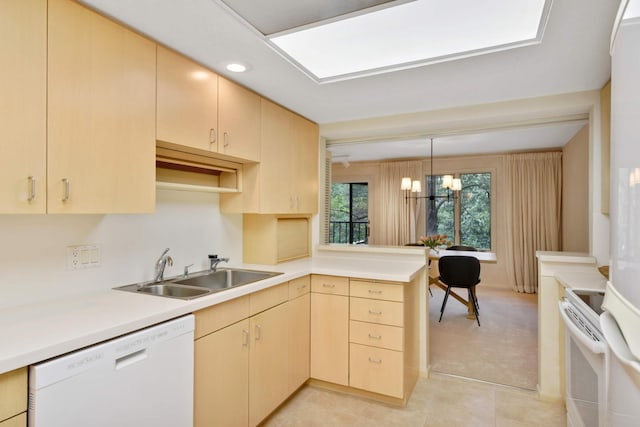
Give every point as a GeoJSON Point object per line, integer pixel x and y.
{"type": "Point", "coordinates": [458, 271]}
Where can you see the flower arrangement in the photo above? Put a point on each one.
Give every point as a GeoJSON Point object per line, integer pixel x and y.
{"type": "Point", "coordinates": [435, 241]}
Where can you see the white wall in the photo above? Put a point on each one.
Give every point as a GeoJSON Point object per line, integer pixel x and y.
{"type": "Point", "coordinates": [34, 247]}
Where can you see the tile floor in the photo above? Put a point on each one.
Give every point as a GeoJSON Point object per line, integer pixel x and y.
{"type": "Point", "coordinates": [440, 400]}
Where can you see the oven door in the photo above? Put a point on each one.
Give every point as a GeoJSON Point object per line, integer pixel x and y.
{"type": "Point", "coordinates": [585, 353]}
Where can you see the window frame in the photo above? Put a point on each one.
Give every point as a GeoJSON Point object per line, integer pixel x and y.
{"type": "Point", "coordinates": [458, 208]}
{"type": "Point", "coordinates": [352, 182]}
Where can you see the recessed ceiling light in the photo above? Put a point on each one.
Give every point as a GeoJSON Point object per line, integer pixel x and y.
{"type": "Point", "coordinates": [236, 67]}
{"type": "Point", "coordinates": [410, 35]}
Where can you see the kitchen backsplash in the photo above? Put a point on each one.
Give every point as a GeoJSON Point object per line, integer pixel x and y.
{"type": "Point", "coordinates": [33, 252]}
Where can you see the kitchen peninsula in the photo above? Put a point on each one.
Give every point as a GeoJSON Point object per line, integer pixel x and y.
{"type": "Point", "coordinates": [34, 332]}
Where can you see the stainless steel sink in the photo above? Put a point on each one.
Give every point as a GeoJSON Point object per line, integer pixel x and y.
{"type": "Point", "coordinates": [199, 284]}
{"type": "Point", "coordinates": [174, 291]}
{"type": "Point", "coordinates": [227, 278]}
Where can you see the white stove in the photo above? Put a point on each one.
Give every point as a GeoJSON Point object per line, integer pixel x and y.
{"type": "Point", "coordinates": [586, 355]}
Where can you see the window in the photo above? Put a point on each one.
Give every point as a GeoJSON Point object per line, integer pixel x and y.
{"type": "Point", "coordinates": [349, 218]}
{"type": "Point", "coordinates": [466, 218]}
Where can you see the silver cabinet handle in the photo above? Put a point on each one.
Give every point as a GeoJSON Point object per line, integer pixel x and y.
{"type": "Point", "coordinates": [212, 135]}
{"type": "Point", "coordinates": [328, 285]}
{"type": "Point", "coordinates": [225, 139]}
{"type": "Point", "coordinates": [375, 291]}
{"type": "Point", "coordinates": [302, 287]}
{"type": "Point", "coordinates": [65, 198]}
{"type": "Point", "coordinates": [375, 337]}
{"type": "Point", "coordinates": [376, 361]}
{"type": "Point", "coordinates": [245, 338]}
{"type": "Point", "coordinates": [32, 189]}
{"type": "Point", "coordinates": [258, 332]}
{"type": "Point", "coordinates": [375, 313]}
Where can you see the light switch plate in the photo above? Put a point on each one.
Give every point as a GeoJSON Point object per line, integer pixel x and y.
{"type": "Point", "coordinates": [80, 257]}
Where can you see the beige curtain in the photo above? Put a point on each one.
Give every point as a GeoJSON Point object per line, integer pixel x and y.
{"type": "Point", "coordinates": [395, 218]}
{"type": "Point", "coordinates": [534, 192]}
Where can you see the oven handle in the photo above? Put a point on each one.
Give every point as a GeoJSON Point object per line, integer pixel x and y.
{"type": "Point", "coordinates": [617, 342]}
{"type": "Point", "coordinates": [595, 346]}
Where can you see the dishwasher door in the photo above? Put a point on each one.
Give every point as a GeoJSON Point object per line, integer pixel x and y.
{"type": "Point", "coordinates": [141, 379]}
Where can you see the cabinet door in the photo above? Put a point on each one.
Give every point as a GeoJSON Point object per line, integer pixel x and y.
{"type": "Point", "coordinates": [17, 421]}
{"type": "Point", "coordinates": [275, 159]}
{"type": "Point", "coordinates": [187, 102]}
{"type": "Point", "coordinates": [268, 362]}
{"type": "Point", "coordinates": [23, 45]}
{"type": "Point", "coordinates": [13, 393]}
{"type": "Point", "coordinates": [299, 341]}
{"type": "Point", "coordinates": [101, 114]}
{"type": "Point", "coordinates": [221, 382]}
{"type": "Point", "coordinates": [239, 121]}
{"type": "Point", "coordinates": [305, 165]}
{"type": "Point", "coordinates": [330, 338]}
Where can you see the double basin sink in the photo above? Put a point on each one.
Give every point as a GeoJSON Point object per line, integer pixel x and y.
{"type": "Point", "coordinates": [199, 284]}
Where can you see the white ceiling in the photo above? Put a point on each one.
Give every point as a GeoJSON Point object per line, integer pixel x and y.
{"type": "Point", "coordinates": [572, 57]}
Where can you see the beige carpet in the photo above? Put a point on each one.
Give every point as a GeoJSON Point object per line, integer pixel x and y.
{"type": "Point", "coordinates": [503, 350]}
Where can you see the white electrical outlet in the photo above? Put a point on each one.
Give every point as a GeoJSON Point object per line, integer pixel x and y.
{"type": "Point", "coordinates": [80, 257]}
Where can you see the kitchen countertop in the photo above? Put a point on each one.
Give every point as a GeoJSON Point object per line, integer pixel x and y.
{"type": "Point", "coordinates": [587, 279]}
{"type": "Point", "coordinates": [35, 332]}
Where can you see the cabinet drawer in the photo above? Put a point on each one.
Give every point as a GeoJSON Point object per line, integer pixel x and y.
{"type": "Point", "coordinates": [376, 290]}
{"type": "Point", "coordinates": [219, 316]}
{"type": "Point", "coordinates": [13, 393]}
{"type": "Point", "coordinates": [376, 311]}
{"type": "Point", "coordinates": [377, 370]}
{"type": "Point", "coordinates": [373, 334]}
{"type": "Point", "coordinates": [299, 286]}
{"type": "Point", "coordinates": [335, 285]}
{"type": "Point", "coordinates": [267, 298]}
{"type": "Point", "coordinates": [17, 421]}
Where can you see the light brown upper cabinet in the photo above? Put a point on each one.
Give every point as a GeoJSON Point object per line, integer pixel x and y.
{"type": "Point", "coordinates": [101, 114]}
{"type": "Point", "coordinates": [199, 109]}
{"type": "Point", "coordinates": [286, 179]}
{"type": "Point", "coordinates": [238, 120]}
{"type": "Point", "coordinates": [187, 105]}
{"type": "Point", "coordinates": [23, 45]}
{"type": "Point", "coordinates": [289, 161]}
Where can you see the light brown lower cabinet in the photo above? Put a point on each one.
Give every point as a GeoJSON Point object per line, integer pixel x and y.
{"type": "Point", "coordinates": [13, 398]}
{"type": "Point", "coordinates": [299, 332]}
{"type": "Point", "coordinates": [221, 384]}
{"type": "Point", "coordinates": [364, 335]}
{"type": "Point", "coordinates": [17, 421]}
{"type": "Point", "coordinates": [330, 329]}
{"type": "Point", "coordinates": [247, 365]}
{"type": "Point", "coordinates": [268, 376]}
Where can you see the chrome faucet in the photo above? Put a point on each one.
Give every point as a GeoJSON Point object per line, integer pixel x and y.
{"type": "Point", "coordinates": [214, 260]}
{"type": "Point", "coordinates": [161, 263]}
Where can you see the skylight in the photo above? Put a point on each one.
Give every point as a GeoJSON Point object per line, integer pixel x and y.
{"type": "Point", "coordinates": [411, 35]}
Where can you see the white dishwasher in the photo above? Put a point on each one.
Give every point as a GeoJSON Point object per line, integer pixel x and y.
{"type": "Point", "coordinates": [141, 379]}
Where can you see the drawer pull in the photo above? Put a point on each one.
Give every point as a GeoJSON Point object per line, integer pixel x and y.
{"type": "Point", "coordinates": [258, 332]}
{"type": "Point", "coordinates": [375, 291]}
{"type": "Point", "coordinates": [375, 313]}
{"type": "Point", "coordinates": [245, 338]}
{"type": "Point", "coordinates": [377, 362]}
{"type": "Point", "coordinates": [375, 337]}
{"type": "Point", "coordinates": [302, 287]}
{"type": "Point", "coordinates": [328, 285]}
